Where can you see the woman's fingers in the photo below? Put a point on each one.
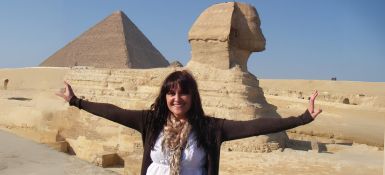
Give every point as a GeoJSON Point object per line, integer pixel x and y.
{"type": "Point", "coordinates": [69, 89]}
{"type": "Point", "coordinates": [67, 86]}
{"type": "Point", "coordinates": [314, 95]}
{"type": "Point", "coordinates": [311, 105]}
{"type": "Point", "coordinates": [66, 93]}
{"type": "Point", "coordinates": [311, 102]}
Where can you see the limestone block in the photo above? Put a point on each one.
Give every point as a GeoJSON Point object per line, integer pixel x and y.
{"type": "Point", "coordinates": [86, 149]}
{"type": "Point", "coordinates": [314, 145]}
{"type": "Point", "coordinates": [107, 159]}
{"type": "Point", "coordinates": [61, 146]}
{"type": "Point", "coordinates": [211, 53]}
{"type": "Point", "coordinates": [132, 164]}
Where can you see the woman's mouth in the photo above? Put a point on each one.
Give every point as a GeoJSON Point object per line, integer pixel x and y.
{"type": "Point", "coordinates": [178, 105]}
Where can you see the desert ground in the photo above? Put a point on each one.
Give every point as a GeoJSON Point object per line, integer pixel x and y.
{"type": "Point", "coordinates": [349, 134]}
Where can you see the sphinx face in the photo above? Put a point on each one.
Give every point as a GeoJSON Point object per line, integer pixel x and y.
{"type": "Point", "coordinates": [246, 33]}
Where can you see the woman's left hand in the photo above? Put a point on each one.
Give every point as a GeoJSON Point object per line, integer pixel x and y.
{"type": "Point", "coordinates": [313, 113]}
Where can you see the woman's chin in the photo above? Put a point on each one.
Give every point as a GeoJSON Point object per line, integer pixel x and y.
{"type": "Point", "coordinates": [179, 114]}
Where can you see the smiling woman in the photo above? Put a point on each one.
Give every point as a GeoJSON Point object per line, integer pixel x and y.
{"type": "Point", "coordinates": [178, 96]}
{"type": "Point", "coordinates": [178, 137]}
{"type": "Point", "coordinates": [178, 102]}
{"type": "Point", "coordinates": [180, 90]}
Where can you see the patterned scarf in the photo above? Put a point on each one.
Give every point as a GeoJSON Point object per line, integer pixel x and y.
{"type": "Point", "coordinates": [174, 141]}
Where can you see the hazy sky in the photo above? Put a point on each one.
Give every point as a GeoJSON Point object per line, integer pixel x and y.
{"type": "Point", "coordinates": [306, 39]}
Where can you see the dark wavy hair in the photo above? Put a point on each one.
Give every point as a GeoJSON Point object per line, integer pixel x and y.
{"type": "Point", "coordinates": [195, 114]}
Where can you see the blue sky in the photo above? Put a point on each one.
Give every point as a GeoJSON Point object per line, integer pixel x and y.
{"type": "Point", "coordinates": [305, 39]}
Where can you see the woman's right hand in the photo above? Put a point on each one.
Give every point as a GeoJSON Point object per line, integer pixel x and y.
{"type": "Point", "coordinates": [313, 113]}
{"type": "Point", "coordinates": [66, 93]}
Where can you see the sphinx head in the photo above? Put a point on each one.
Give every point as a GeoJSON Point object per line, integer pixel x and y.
{"type": "Point", "coordinates": [225, 35]}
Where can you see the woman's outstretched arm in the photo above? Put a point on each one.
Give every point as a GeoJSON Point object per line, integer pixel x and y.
{"type": "Point", "coordinates": [130, 118]}
{"type": "Point", "coordinates": [240, 129]}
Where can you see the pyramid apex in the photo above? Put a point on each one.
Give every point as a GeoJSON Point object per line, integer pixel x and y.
{"type": "Point", "coordinates": [119, 12]}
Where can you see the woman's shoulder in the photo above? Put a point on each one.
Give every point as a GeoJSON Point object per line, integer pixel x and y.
{"type": "Point", "coordinates": [214, 121]}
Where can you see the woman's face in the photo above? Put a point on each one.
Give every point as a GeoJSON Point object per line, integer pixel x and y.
{"type": "Point", "coordinates": [178, 102]}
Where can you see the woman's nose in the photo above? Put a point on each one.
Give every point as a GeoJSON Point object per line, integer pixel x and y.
{"type": "Point", "coordinates": [177, 96]}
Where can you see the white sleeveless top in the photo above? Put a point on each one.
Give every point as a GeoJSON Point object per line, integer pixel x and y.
{"type": "Point", "coordinates": [193, 158]}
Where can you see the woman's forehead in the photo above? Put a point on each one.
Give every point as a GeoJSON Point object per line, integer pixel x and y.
{"type": "Point", "coordinates": [175, 87]}
{"type": "Point", "coordinates": [178, 87]}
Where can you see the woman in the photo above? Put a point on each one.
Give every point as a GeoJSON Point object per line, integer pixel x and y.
{"type": "Point", "coordinates": [177, 136]}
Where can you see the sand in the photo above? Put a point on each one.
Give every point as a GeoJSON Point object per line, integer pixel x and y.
{"type": "Point", "coordinates": [357, 160]}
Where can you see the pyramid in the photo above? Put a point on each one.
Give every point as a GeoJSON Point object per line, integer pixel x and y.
{"type": "Point", "coordinates": [115, 42]}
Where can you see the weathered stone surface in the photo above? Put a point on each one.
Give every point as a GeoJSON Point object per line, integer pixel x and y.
{"type": "Point", "coordinates": [115, 42]}
{"type": "Point", "coordinates": [225, 35]}
{"type": "Point", "coordinates": [108, 159]}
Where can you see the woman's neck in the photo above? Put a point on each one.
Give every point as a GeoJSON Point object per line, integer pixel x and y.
{"type": "Point", "coordinates": [178, 118]}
